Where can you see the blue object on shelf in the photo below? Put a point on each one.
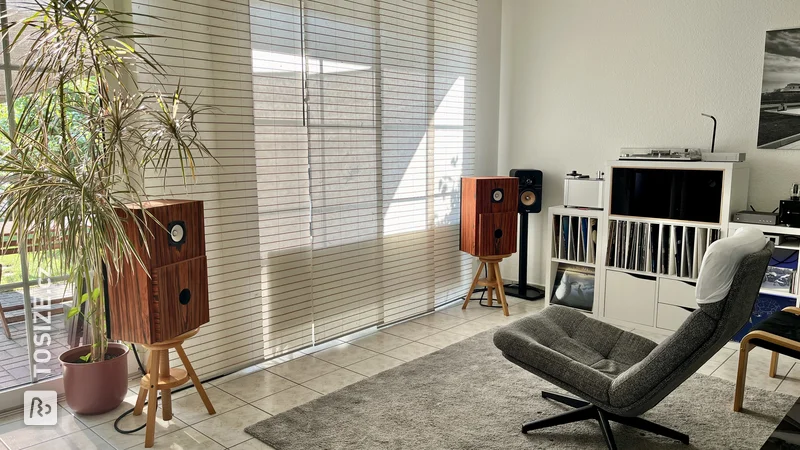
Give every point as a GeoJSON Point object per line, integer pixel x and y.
{"type": "Point", "coordinates": [765, 305]}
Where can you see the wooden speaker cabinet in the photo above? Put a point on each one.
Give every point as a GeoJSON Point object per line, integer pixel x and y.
{"type": "Point", "coordinates": [173, 299]}
{"type": "Point", "coordinates": [489, 215]}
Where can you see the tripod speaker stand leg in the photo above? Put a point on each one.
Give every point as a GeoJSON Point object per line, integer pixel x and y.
{"type": "Point", "coordinates": [473, 285]}
{"type": "Point", "coordinates": [501, 293]}
{"type": "Point", "coordinates": [492, 281]}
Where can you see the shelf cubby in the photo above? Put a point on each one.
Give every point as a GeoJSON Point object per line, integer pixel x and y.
{"type": "Point", "coordinates": [646, 247]}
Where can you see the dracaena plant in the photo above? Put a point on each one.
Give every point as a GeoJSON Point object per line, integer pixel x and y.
{"type": "Point", "coordinates": [86, 137]}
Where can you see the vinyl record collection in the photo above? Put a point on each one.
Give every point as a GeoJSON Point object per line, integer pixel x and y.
{"type": "Point", "coordinates": [658, 248]}
{"type": "Point", "coordinates": [575, 238]}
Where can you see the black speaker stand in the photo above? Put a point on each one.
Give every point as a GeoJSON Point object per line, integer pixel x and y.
{"type": "Point", "coordinates": [522, 289]}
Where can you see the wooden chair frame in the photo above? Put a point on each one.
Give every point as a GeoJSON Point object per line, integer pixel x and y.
{"type": "Point", "coordinates": [744, 349]}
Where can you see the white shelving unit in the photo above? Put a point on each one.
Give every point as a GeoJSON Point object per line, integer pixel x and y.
{"type": "Point", "coordinates": [647, 267]}
{"type": "Point", "coordinates": [574, 235]}
{"type": "Point", "coordinates": [788, 247]}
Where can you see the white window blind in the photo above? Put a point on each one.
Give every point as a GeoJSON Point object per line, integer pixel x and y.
{"type": "Point", "coordinates": [364, 124]}
{"type": "Point", "coordinates": [206, 44]}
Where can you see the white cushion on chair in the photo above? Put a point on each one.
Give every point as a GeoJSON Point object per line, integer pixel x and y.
{"type": "Point", "coordinates": [721, 261]}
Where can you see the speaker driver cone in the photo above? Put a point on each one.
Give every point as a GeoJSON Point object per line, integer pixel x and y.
{"type": "Point", "coordinates": [527, 198]}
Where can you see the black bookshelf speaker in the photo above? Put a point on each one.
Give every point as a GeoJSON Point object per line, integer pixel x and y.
{"type": "Point", "coordinates": [529, 199]}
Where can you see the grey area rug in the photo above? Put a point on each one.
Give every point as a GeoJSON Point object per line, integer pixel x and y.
{"type": "Point", "coordinates": [467, 396]}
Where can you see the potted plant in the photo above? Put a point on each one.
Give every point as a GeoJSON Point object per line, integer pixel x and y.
{"type": "Point", "coordinates": [85, 138]}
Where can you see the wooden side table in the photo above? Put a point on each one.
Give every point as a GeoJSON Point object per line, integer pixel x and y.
{"type": "Point", "coordinates": [160, 377]}
{"type": "Point", "coordinates": [493, 281]}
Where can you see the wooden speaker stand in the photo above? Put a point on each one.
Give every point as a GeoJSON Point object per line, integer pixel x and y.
{"type": "Point", "coordinates": [493, 281]}
{"type": "Point", "coordinates": [161, 378]}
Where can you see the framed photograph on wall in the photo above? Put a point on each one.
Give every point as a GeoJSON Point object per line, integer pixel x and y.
{"type": "Point", "coordinates": [779, 115]}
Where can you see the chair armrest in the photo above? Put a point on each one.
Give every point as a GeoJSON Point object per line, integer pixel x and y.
{"type": "Point", "coordinates": [792, 309]}
{"type": "Point", "coordinates": [773, 338]}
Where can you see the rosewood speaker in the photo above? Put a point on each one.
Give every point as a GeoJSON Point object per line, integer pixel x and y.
{"type": "Point", "coordinates": [173, 299]}
{"type": "Point", "coordinates": [489, 215]}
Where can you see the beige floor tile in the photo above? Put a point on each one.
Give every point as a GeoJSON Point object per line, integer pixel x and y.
{"type": "Point", "coordinates": [15, 434]}
{"type": "Point", "coordinates": [410, 330]}
{"type": "Point", "coordinates": [512, 300]}
{"type": "Point", "coordinates": [286, 400]}
{"type": "Point", "coordinates": [791, 382]}
{"type": "Point", "coordinates": [732, 345]}
{"type": "Point", "coordinates": [375, 365]}
{"type": "Point", "coordinates": [97, 419]}
{"type": "Point", "coordinates": [472, 328]}
{"type": "Point", "coordinates": [333, 381]}
{"type": "Point", "coordinates": [252, 444]}
{"type": "Point", "coordinates": [344, 354]}
{"type": "Point", "coordinates": [528, 306]}
{"type": "Point", "coordinates": [188, 389]}
{"type": "Point", "coordinates": [359, 334]}
{"type": "Point", "coordinates": [323, 346]}
{"type": "Point", "coordinates": [411, 351]}
{"type": "Point", "coordinates": [256, 385]}
{"type": "Point", "coordinates": [79, 440]}
{"type": "Point", "coordinates": [123, 441]}
{"type": "Point", "coordinates": [11, 416]}
{"type": "Point", "coordinates": [473, 311]}
{"type": "Point", "coordinates": [757, 370]}
{"type": "Point", "coordinates": [184, 439]}
{"type": "Point", "coordinates": [499, 319]}
{"type": "Point", "coordinates": [228, 428]}
{"type": "Point", "coordinates": [303, 369]}
{"type": "Point", "coordinates": [380, 342]}
{"type": "Point", "coordinates": [191, 409]}
{"type": "Point", "coordinates": [440, 320]}
{"type": "Point", "coordinates": [233, 376]}
{"type": "Point", "coordinates": [282, 359]}
{"type": "Point", "coordinates": [717, 360]}
{"type": "Point", "coordinates": [442, 339]}
{"type": "Point", "coordinates": [134, 383]}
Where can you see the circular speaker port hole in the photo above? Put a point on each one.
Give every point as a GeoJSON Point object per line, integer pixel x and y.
{"type": "Point", "coordinates": [498, 233]}
{"type": "Point", "coordinates": [184, 297]}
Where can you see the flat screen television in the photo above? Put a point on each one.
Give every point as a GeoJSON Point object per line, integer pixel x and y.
{"type": "Point", "coordinates": [677, 194]}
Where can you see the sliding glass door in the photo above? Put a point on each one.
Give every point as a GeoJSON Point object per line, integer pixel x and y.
{"type": "Point", "coordinates": [33, 292]}
{"type": "Point", "coordinates": [364, 112]}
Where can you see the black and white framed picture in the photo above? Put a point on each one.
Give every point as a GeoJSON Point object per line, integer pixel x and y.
{"type": "Point", "coordinates": [779, 119]}
{"type": "Point", "coordinates": [574, 287]}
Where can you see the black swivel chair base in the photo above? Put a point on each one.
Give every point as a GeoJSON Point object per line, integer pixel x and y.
{"type": "Point", "coordinates": [585, 410]}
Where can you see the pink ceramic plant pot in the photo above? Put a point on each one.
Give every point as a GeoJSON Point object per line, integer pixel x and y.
{"type": "Point", "coordinates": [95, 388]}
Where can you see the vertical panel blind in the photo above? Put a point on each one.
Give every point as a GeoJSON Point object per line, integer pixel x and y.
{"type": "Point", "coordinates": [206, 44]}
{"type": "Point", "coordinates": [341, 130]}
{"type": "Point", "coordinates": [364, 123]}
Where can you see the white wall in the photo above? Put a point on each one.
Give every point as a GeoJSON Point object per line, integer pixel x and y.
{"type": "Point", "coordinates": [582, 78]}
{"type": "Point", "coordinates": [487, 100]}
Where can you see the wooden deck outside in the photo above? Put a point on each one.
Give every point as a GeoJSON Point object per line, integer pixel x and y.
{"type": "Point", "coordinates": [14, 367]}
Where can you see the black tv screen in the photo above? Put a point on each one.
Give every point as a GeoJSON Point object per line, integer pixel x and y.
{"type": "Point", "coordinates": [677, 194]}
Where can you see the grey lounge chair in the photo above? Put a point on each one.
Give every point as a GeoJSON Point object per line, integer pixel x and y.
{"type": "Point", "coordinates": [617, 374]}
